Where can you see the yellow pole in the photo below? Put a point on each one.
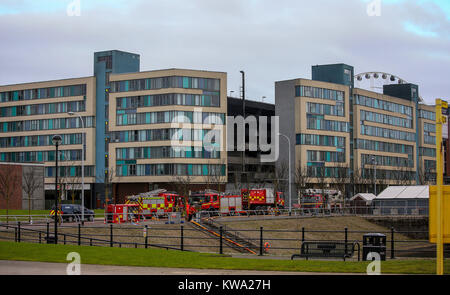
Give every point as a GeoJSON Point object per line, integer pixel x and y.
{"type": "Point", "coordinates": [439, 183]}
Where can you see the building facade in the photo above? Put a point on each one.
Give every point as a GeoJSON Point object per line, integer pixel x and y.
{"type": "Point", "coordinates": [246, 168]}
{"type": "Point", "coordinates": [353, 139]}
{"type": "Point", "coordinates": [141, 129]}
{"type": "Point", "coordinates": [167, 124]}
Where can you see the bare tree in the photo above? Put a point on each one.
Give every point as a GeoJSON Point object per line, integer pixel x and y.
{"type": "Point", "coordinates": [30, 184]}
{"type": "Point", "coordinates": [9, 181]}
{"type": "Point", "coordinates": [182, 185]}
{"type": "Point", "coordinates": [341, 179]}
{"type": "Point", "coordinates": [280, 178]}
{"type": "Point", "coordinates": [108, 180]}
{"type": "Point", "coordinates": [302, 180]}
{"type": "Point", "coordinates": [215, 179]}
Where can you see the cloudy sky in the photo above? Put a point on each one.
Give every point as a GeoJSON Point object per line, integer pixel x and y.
{"type": "Point", "coordinates": [270, 40]}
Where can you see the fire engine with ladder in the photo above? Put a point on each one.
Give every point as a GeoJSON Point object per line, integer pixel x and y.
{"type": "Point", "coordinates": [157, 202]}
{"type": "Point", "coordinates": [262, 199]}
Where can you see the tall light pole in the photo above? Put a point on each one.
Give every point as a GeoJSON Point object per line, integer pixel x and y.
{"type": "Point", "coordinates": [289, 159]}
{"type": "Point", "coordinates": [82, 165]}
{"type": "Point", "coordinates": [374, 163]}
{"type": "Point", "coordinates": [56, 140]}
{"type": "Point", "coordinates": [243, 115]}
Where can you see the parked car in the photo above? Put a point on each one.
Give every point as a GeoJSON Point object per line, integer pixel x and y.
{"type": "Point", "coordinates": [73, 212]}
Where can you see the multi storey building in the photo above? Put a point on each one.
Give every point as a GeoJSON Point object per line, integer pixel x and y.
{"type": "Point", "coordinates": [32, 113]}
{"type": "Point", "coordinates": [167, 124]}
{"type": "Point", "coordinates": [246, 168]}
{"type": "Point", "coordinates": [141, 129]}
{"type": "Point", "coordinates": [354, 139]}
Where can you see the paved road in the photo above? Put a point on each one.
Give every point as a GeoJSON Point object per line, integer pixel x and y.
{"type": "Point", "coordinates": [8, 267]}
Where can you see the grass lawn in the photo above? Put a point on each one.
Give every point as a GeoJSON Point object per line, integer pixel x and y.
{"type": "Point", "coordinates": [98, 212]}
{"type": "Point", "coordinates": [171, 258]}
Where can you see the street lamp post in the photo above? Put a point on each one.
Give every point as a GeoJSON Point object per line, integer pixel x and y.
{"type": "Point", "coordinates": [374, 163]}
{"type": "Point", "coordinates": [289, 159]}
{"type": "Point", "coordinates": [243, 115]}
{"type": "Point", "coordinates": [82, 165]}
{"type": "Point", "coordinates": [56, 140]}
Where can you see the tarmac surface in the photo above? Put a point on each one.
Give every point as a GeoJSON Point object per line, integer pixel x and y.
{"type": "Point", "coordinates": [10, 267]}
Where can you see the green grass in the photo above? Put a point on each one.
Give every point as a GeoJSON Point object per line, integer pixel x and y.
{"type": "Point", "coordinates": [24, 212]}
{"type": "Point", "coordinates": [98, 212]}
{"type": "Point", "coordinates": [171, 258]}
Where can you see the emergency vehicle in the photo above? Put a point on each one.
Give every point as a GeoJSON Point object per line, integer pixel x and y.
{"type": "Point", "coordinates": [230, 204]}
{"type": "Point", "coordinates": [323, 199]}
{"type": "Point", "coordinates": [261, 199]}
{"type": "Point", "coordinates": [122, 213]}
{"type": "Point", "coordinates": [205, 200]}
{"type": "Point", "coordinates": [156, 202]}
{"type": "Point", "coordinates": [311, 201]}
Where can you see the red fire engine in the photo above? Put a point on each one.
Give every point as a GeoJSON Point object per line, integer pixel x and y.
{"type": "Point", "coordinates": [120, 213]}
{"type": "Point", "coordinates": [230, 204]}
{"type": "Point", "coordinates": [156, 202]}
{"type": "Point", "coordinates": [205, 200]}
{"type": "Point", "coordinates": [261, 199]}
{"type": "Point", "coordinates": [311, 201]}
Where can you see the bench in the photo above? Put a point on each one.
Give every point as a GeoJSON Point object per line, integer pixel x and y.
{"type": "Point", "coordinates": [327, 249]}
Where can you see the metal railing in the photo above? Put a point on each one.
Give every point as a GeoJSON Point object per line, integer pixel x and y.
{"type": "Point", "coordinates": [186, 237]}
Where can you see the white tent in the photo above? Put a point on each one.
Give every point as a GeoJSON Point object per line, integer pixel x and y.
{"type": "Point", "coordinates": [404, 192]}
{"type": "Point", "coordinates": [364, 197]}
{"type": "Point", "coordinates": [404, 200]}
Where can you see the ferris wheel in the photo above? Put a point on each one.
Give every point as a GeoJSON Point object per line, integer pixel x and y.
{"type": "Point", "coordinates": [374, 81]}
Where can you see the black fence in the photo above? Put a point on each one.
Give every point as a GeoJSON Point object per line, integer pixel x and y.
{"type": "Point", "coordinates": [213, 238]}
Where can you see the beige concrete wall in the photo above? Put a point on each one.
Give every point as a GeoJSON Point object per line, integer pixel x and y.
{"type": "Point", "coordinates": [301, 123]}
{"type": "Point", "coordinates": [165, 73]}
{"type": "Point", "coordinates": [357, 129]}
{"type": "Point", "coordinates": [90, 111]}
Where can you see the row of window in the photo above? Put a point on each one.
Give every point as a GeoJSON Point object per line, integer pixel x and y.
{"type": "Point", "coordinates": [325, 109]}
{"type": "Point", "coordinates": [383, 105]}
{"type": "Point", "coordinates": [320, 140]}
{"type": "Point", "coordinates": [386, 119]}
{"type": "Point", "coordinates": [46, 124]}
{"type": "Point", "coordinates": [316, 122]}
{"type": "Point", "coordinates": [38, 93]}
{"type": "Point", "coordinates": [43, 109]}
{"type": "Point", "coordinates": [166, 82]}
{"type": "Point", "coordinates": [381, 146]}
{"type": "Point", "coordinates": [163, 152]}
{"type": "Point", "coordinates": [427, 127]}
{"type": "Point", "coordinates": [387, 160]}
{"type": "Point", "coordinates": [321, 171]}
{"type": "Point", "coordinates": [133, 102]}
{"type": "Point", "coordinates": [427, 115]}
{"type": "Point", "coordinates": [325, 156]}
{"type": "Point", "coordinates": [69, 171]}
{"type": "Point", "coordinates": [368, 173]}
{"type": "Point", "coordinates": [387, 133]}
{"type": "Point", "coordinates": [315, 92]}
{"type": "Point", "coordinates": [177, 134]}
{"type": "Point", "coordinates": [38, 140]}
{"type": "Point", "coordinates": [40, 156]}
{"type": "Point", "coordinates": [170, 117]}
{"type": "Point", "coordinates": [171, 170]}
{"type": "Point", "coordinates": [429, 139]}
{"type": "Point", "coordinates": [429, 164]}
{"type": "Point", "coordinates": [427, 152]}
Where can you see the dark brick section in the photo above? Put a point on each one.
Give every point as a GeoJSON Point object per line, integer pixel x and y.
{"type": "Point", "coordinates": [13, 174]}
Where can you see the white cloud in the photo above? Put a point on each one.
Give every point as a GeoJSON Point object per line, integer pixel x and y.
{"type": "Point", "coordinates": [269, 40]}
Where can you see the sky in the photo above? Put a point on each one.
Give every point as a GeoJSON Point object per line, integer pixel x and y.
{"type": "Point", "coordinates": [270, 40]}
